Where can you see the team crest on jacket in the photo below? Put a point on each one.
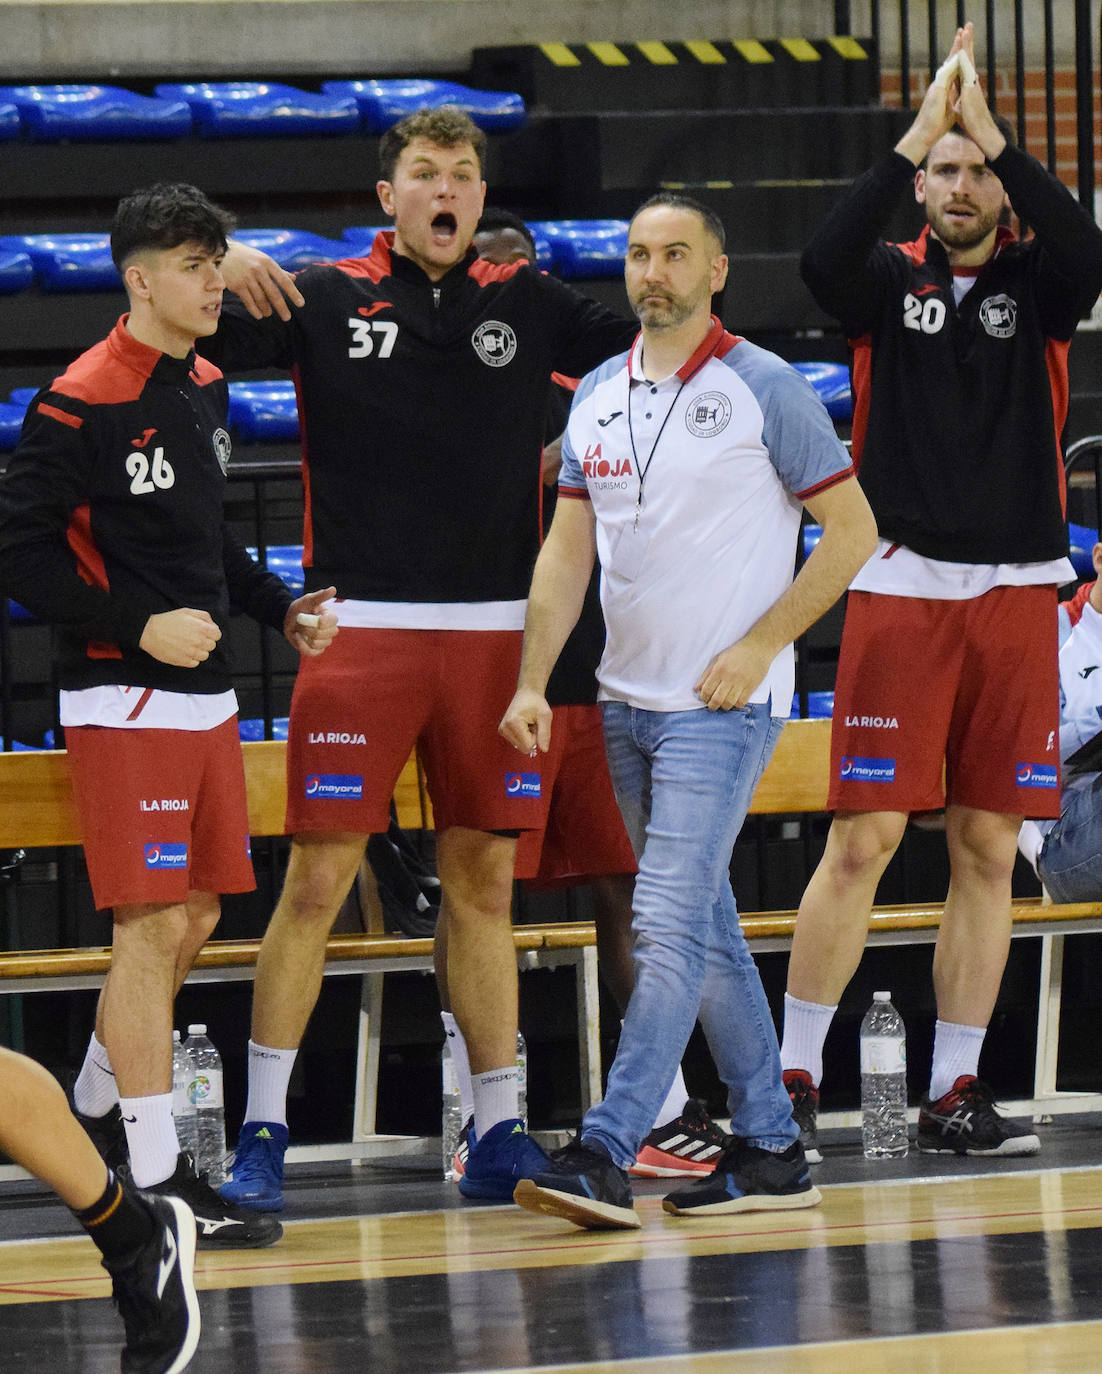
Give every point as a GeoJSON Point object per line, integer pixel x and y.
{"type": "Point", "coordinates": [708, 415]}
{"type": "Point", "coordinates": [999, 316]}
{"type": "Point", "coordinates": [495, 343]}
{"type": "Point", "coordinates": [222, 447]}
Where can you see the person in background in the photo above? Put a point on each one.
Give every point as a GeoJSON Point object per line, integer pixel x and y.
{"type": "Point", "coordinates": [1066, 854]}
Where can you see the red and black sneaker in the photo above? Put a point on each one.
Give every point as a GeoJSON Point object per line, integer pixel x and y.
{"type": "Point", "coordinates": [686, 1147]}
{"type": "Point", "coordinates": [805, 1111]}
{"type": "Point", "coordinates": [965, 1122]}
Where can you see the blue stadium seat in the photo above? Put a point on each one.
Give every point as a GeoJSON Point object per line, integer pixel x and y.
{"type": "Point", "coordinates": [831, 383]}
{"type": "Point", "coordinates": [358, 240]}
{"type": "Point", "coordinates": [812, 535]}
{"type": "Point", "coordinates": [263, 412]}
{"type": "Point", "coordinates": [262, 109]}
{"type": "Point", "coordinates": [10, 125]}
{"type": "Point", "coordinates": [820, 706]}
{"type": "Point", "coordinates": [384, 103]}
{"type": "Point", "coordinates": [252, 728]}
{"type": "Point", "coordinates": [22, 395]}
{"type": "Point", "coordinates": [285, 560]}
{"type": "Point", "coordinates": [293, 249]}
{"type": "Point", "coordinates": [67, 262]}
{"type": "Point", "coordinates": [16, 270]}
{"type": "Point", "coordinates": [103, 113]}
{"type": "Point", "coordinates": [1082, 540]}
{"type": "Point", "coordinates": [11, 422]}
{"type": "Point", "coordinates": [584, 247]}
{"type": "Point", "coordinates": [19, 614]}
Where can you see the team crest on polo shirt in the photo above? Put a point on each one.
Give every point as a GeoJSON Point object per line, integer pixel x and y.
{"type": "Point", "coordinates": [222, 447]}
{"type": "Point", "coordinates": [999, 316]}
{"type": "Point", "coordinates": [495, 343]}
{"type": "Point", "coordinates": [708, 414]}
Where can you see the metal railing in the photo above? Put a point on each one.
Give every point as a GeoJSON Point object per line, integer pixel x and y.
{"type": "Point", "coordinates": [1011, 37]}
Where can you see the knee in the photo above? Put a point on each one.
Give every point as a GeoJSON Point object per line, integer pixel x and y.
{"type": "Point", "coordinates": [861, 847]}
{"type": "Point", "coordinates": [317, 883]}
{"type": "Point", "coordinates": [983, 846]}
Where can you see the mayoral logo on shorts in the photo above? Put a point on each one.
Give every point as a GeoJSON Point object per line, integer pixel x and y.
{"type": "Point", "coordinates": [708, 415]}
{"type": "Point", "coordinates": [999, 316]}
{"type": "Point", "coordinates": [222, 447]}
{"type": "Point", "coordinates": [495, 343]}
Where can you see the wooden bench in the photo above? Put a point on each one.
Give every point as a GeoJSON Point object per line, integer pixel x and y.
{"type": "Point", "coordinates": [36, 810]}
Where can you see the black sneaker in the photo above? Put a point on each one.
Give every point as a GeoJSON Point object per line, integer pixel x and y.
{"type": "Point", "coordinates": [108, 1135]}
{"type": "Point", "coordinates": [747, 1179]}
{"type": "Point", "coordinates": [583, 1186]}
{"type": "Point", "coordinates": [965, 1122]}
{"type": "Point", "coordinates": [155, 1292]}
{"type": "Point", "coordinates": [684, 1148]}
{"type": "Point", "coordinates": [805, 1111]}
{"type": "Point", "coordinates": [221, 1225]}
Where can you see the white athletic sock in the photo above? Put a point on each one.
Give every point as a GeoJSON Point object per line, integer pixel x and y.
{"type": "Point", "coordinates": [805, 1032]}
{"type": "Point", "coordinates": [956, 1052]}
{"type": "Point", "coordinates": [675, 1101]}
{"type": "Point", "coordinates": [495, 1097]}
{"type": "Point", "coordinates": [269, 1075]}
{"type": "Point", "coordinates": [150, 1137]}
{"type": "Point", "coordinates": [457, 1047]}
{"type": "Point", "coordinates": [95, 1091]}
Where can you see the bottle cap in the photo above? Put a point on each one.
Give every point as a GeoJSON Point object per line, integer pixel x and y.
{"type": "Point", "coordinates": [876, 997]}
{"type": "Point", "coordinates": [199, 1028]}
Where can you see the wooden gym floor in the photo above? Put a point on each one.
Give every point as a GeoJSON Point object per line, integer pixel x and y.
{"type": "Point", "coordinates": [924, 1264]}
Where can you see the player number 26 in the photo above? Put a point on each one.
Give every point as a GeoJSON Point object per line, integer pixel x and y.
{"type": "Point", "coordinates": [149, 474]}
{"type": "Point", "coordinates": [365, 334]}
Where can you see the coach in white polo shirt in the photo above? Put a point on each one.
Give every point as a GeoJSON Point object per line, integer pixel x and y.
{"type": "Point", "coordinates": [685, 464]}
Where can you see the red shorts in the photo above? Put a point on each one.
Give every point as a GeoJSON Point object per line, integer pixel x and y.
{"type": "Point", "coordinates": [162, 812]}
{"type": "Point", "coordinates": [584, 836]}
{"type": "Point", "coordinates": [952, 701]}
{"type": "Point", "coordinates": [359, 709]}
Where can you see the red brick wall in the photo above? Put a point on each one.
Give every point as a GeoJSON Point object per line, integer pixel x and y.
{"type": "Point", "coordinates": [1036, 139]}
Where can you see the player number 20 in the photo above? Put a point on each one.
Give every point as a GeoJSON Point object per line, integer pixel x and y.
{"type": "Point", "coordinates": [926, 315]}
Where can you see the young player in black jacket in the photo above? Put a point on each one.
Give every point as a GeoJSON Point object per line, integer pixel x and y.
{"type": "Point", "coordinates": [111, 529]}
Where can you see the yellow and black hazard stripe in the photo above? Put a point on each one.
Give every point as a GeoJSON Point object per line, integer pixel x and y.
{"type": "Point", "coordinates": [684, 74]}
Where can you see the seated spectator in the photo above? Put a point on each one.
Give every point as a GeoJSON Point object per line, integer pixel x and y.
{"type": "Point", "coordinates": [1067, 854]}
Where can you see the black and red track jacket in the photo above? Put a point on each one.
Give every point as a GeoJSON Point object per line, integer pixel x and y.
{"type": "Point", "coordinates": [423, 407]}
{"type": "Point", "coordinates": [958, 410]}
{"type": "Point", "coordinates": [111, 511]}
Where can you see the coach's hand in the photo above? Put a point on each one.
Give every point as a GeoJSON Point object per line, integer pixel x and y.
{"type": "Point", "coordinates": [182, 638]}
{"type": "Point", "coordinates": [527, 722]}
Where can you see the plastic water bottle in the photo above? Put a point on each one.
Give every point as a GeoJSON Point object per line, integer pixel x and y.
{"type": "Point", "coordinates": [451, 1120]}
{"type": "Point", "coordinates": [883, 1081]}
{"type": "Point", "coordinates": [183, 1109]}
{"type": "Point", "coordinates": [205, 1091]}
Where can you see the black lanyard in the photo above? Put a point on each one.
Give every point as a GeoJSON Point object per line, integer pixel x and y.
{"type": "Point", "coordinates": [645, 468]}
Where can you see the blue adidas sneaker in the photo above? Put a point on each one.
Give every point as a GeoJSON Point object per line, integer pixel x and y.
{"type": "Point", "coordinates": [499, 1160]}
{"type": "Point", "coordinates": [257, 1181]}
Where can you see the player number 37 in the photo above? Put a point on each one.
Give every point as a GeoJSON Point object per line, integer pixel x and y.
{"type": "Point", "coordinates": [371, 336]}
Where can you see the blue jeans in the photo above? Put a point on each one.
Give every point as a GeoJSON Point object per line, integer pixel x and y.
{"type": "Point", "coordinates": [1070, 862]}
{"type": "Point", "coordinates": [683, 782]}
